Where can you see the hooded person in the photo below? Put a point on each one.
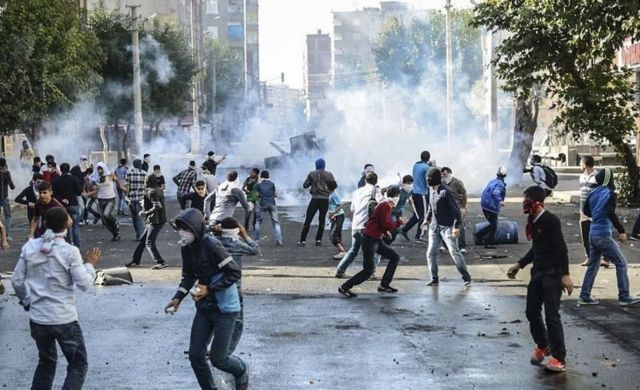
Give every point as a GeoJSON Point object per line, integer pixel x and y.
{"type": "Point", "coordinates": [317, 183]}
{"type": "Point", "coordinates": [444, 222]}
{"type": "Point", "coordinates": [210, 275]}
{"type": "Point", "coordinates": [492, 201]}
{"type": "Point", "coordinates": [460, 193]}
{"type": "Point", "coordinates": [106, 183]}
{"type": "Point", "coordinates": [225, 199]}
{"type": "Point", "coordinates": [601, 208]}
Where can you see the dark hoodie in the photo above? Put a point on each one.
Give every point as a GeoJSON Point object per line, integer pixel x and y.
{"type": "Point", "coordinates": [601, 206]}
{"type": "Point", "coordinates": [204, 260]}
{"type": "Point", "coordinates": [318, 180]}
{"type": "Point", "coordinates": [443, 209]}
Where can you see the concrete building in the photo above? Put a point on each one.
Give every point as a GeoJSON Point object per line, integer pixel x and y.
{"type": "Point", "coordinates": [317, 73]}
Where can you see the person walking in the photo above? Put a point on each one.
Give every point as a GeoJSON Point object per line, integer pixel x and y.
{"type": "Point", "coordinates": [444, 220]}
{"type": "Point", "coordinates": [601, 208]}
{"type": "Point", "coordinates": [457, 188]}
{"type": "Point", "coordinates": [587, 183]}
{"type": "Point", "coordinates": [6, 183]}
{"type": "Point", "coordinates": [249, 188]}
{"type": "Point", "coordinates": [492, 201]}
{"type": "Point", "coordinates": [380, 224]}
{"type": "Point", "coordinates": [121, 174]}
{"type": "Point", "coordinates": [419, 197]}
{"type": "Point", "coordinates": [106, 183]}
{"type": "Point", "coordinates": [549, 277]}
{"type": "Point", "coordinates": [538, 174]}
{"type": "Point", "coordinates": [135, 191]}
{"type": "Point", "coordinates": [45, 203]}
{"type": "Point", "coordinates": [44, 279]}
{"type": "Point", "coordinates": [185, 180]}
{"type": "Point", "coordinates": [66, 190]}
{"type": "Point", "coordinates": [155, 216]}
{"type": "Point", "coordinates": [316, 182]}
{"type": "Point", "coordinates": [210, 274]}
{"type": "Point", "coordinates": [90, 193]}
{"type": "Point", "coordinates": [267, 195]}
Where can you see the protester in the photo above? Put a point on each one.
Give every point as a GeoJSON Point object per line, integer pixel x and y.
{"type": "Point", "coordinates": [419, 196]}
{"type": "Point", "coordinates": [211, 274]}
{"type": "Point", "coordinates": [444, 221]}
{"type": "Point", "coordinates": [549, 276]}
{"type": "Point", "coordinates": [146, 161]}
{"type": "Point", "coordinates": [492, 201]}
{"type": "Point", "coordinates": [587, 183]}
{"type": "Point", "coordinates": [162, 184]}
{"type": "Point", "coordinates": [237, 242]}
{"type": "Point", "coordinates": [316, 182]}
{"type": "Point", "coordinates": [211, 181]}
{"type": "Point", "coordinates": [185, 180]}
{"type": "Point", "coordinates": [90, 192]}
{"type": "Point", "coordinates": [29, 195]}
{"type": "Point", "coordinates": [213, 161]}
{"type": "Point", "coordinates": [380, 224]}
{"type": "Point", "coordinates": [336, 216]}
{"type": "Point", "coordinates": [4, 245]}
{"type": "Point", "coordinates": [267, 195]}
{"type": "Point", "coordinates": [405, 186]}
{"type": "Point", "coordinates": [249, 188]}
{"type": "Point", "coordinates": [66, 189]}
{"type": "Point", "coordinates": [538, 174]}
{"type": "Point", "coordinates": [121, 175]}
{"type": "Point", "coordinates": [362, 202]}
{"type": "Point", "coordinates": [106, 183]}
{"type": "Point", "coordinates": [44, 279]}
{"type": "Point", "coordinates": [223, 202]}
{"type": "Point", "coordinates": [37, 165]}
{"type": "Point", "coordinates": [601, 208]}
{"type": "Point", "coordinates": [457, 188]}
{"type": "Point", "coordinates": [45, 203]}
{"type": "Point", "coordinates": [51, 173]}
{"type": "Point", "coordinates": [135, 192]}
{"type": "Point", "coordinates": [26, 154]}
{"type": "Point", "coordinates": [5, 183]}
{"type": "Point", "coordinates": [155, 215]}
{"type": "Point", "coordinates": [195, 199]}
{"type": "Point", "coordinates": [367, 168]}
{"type": "Point", "coordinates": [79, 171]}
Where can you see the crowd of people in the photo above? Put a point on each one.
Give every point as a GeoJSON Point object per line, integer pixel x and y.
{"type": "Point", "coordinates": [59, 199]}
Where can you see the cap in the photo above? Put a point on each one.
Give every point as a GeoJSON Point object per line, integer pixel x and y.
{"type": "Point", "coordinates": [502, 171]}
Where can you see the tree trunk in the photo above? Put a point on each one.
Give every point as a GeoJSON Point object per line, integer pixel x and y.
{"type": "Point", "coordinates": [525, 127]}
{"type": "Point", "coordinates": [124, 141]}
{"type": "Point", "coordinates": [624, 150]}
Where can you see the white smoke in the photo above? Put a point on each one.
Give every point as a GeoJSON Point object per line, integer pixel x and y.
{"type": "Point", "coordinates": [156, 60]}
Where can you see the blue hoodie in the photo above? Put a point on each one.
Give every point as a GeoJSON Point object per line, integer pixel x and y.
{"type": "Point", "coordinates": [420, 170]}
{"type": "Point", "coordinates": [320, 164]}
{"type": "Point", "coordinates": [601, 206]}
{"type": "Point", "coordinates": [493, 194]}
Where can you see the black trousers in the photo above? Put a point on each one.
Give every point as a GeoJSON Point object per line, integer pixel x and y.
{"type": "Point", "coordinates": [546, 289]}
{"type": "Point", "coordinates": [487, 235]}
{"type": "Point", "coordinates": [420, 203]}
{"type": "Point", "coordinates": [584, 234]}
{"type": "Point", "coordinates": [371, 246]}
{"type": "Point", "coordinates": [320, 206]}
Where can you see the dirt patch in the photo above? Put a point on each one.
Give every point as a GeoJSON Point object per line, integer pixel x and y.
{"type": "Point", "coordinates": [422, 328]}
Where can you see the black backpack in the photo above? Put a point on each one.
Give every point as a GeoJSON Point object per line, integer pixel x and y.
{"type": "Point", "coordinates": [550, 176]}
{"type": "Point", "coordinates": [371, 206]}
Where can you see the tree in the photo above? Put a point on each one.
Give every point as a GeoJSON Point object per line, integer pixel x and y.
{"type": "Point", "coordinates": [229, 78]}
{"type": "Point", "coordinates": [568, 47]}
{"type": "Point", "coordinates": [50, 60]}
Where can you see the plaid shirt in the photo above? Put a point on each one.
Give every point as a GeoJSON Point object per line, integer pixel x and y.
{"type": "Point", "coordinates": [135, 182]}
{"type": "Point", "coordinates": [185, 180]}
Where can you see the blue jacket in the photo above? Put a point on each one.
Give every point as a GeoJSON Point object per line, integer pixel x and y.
{"type": "Point", "coordinates": [601, 207]}
{"type": "Point", "coordinates": [492, 195]}
{"type": "Point", "coordinates": [420, 170]}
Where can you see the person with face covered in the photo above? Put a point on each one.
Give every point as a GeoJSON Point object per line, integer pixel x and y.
{"type": "Point", "coordinates": [211, 275]}
{"type": "Point", "coordinates": [195, 199]}
{"type": "Point", "coordinates": [155, 216]}
{"type": "Point", "coordinates": [106, 191]}
{"type": "Point", "coordinates": [601, 208]}
{"type": "Point", "coordinates": [316, 182]}
{"type": "Point", "coordinates": [456, 186]}
{"type": "Point", "coordinates": [367, 168]}
{"type": "Point", "coordinates": [549, 276]}
{"type": "Point", "coordinates": [444, 220]}
{"type": "Point", "coordinates": [380, 224]}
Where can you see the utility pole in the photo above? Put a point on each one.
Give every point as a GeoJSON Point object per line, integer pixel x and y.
{"type": "Point", "coordinates": [137, 91]}
{"type": "Point", "coordinates": [245, 51]}
{"type": "Point", "coordinates": [448, 7]}
{"type": "Point", "coordinates": [195, 92]}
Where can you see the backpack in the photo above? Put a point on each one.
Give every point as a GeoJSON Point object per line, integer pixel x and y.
{"type": "Point", "coordinates": [550, 176]}
{"type": "Point", "coordinates": [371, 205]}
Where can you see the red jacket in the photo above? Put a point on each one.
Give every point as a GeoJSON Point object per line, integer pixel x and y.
{"type": "Point", "coordinates": [381, 221]}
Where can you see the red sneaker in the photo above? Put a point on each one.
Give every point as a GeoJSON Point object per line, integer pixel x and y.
{"type": "Point", "coordinates": [538, 355]}
{"type": "Point", "coordinates": [555, 365]}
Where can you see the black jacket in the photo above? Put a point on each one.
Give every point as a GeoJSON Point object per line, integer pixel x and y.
{"type": "Point", "coordinates": [154, 200]}
{"type": "Point", "coordinates": [67, 187]}
{"type": "Point", "coordinates": [5, 183]}
{"type": "Point", "coordinates": [28, 195]}
{"type": "Point", "coordinates": [549, 252]}
{"type": "Point", "coordinates": [203, 260]}
{"type": "Point", "coordinates": [443, 209]}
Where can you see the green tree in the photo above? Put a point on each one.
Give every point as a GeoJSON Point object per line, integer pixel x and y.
{"type": "Point", "coordinates": [50, 60]}
{"type": "Point", "coordinates": [229, 78]}
{"type": "Point", "coordinates": [568, 47]}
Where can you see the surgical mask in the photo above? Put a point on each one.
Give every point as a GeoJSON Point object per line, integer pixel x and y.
{"type": "Point", "coordinates": [395, 199]}
{"type": "Point", "coordinates": [407, 187]}
{"type": "Point", "coordinates": [186, 237]}
{"type": "Point", "coordinates": [234, 234]}
{"type": "Point", "coordinates": [447, 179]}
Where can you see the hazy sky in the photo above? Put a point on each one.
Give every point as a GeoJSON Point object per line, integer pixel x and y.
{"type": "Point", "coordinates": [284, 25]}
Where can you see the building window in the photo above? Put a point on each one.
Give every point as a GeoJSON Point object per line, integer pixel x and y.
{"type": "Point", "coordinates": [235, 32]}
{"type": "Point", "coordinates": [356, 22]}
{"type": "Point", "coordinates": [212, 7]}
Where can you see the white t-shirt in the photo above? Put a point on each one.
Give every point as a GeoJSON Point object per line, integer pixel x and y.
{"type": "Point", "coordinates": [360, 203]}
{"type": "Point", "coordinates": [107, 189]}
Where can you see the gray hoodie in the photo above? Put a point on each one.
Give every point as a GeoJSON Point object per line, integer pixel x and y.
{"type": "Point", "coordinates": [224, 200]}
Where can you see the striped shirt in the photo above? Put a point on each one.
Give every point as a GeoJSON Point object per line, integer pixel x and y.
{"type": "Point", "coordinates": [587, 184]}
{"type": "Point", "coordinates": [135, 183]}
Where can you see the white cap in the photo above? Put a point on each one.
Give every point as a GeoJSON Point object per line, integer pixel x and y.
{"type": "Point", "coordinates": [502, 171]}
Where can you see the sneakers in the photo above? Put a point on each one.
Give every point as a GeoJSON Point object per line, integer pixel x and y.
{"type": "Point", "coordinates": [373, 277]}
{"type": "Point", "coordinates": [539, 355]}
{"type": "Point", "coordinates": [242, 381]}
{"type": "Point", "coordinates": [421, 240]}
{"type": "Point", "coordinates": [318, 243]}
{"type": "Point", "coordinates": [302, 244]}
{"type": "Point", "coordinates": [279, 243]}
{"type": "Point", "coordinates": [605, 264]}
{"type": "Point", "coordinates": [404, 234]}
{"type": "Point", "coordinates": [433, 283]}
{"type": "Point", "coordinates": [442, 249]}
{"type": "Point", "coordinates": [340, 275]}
{"type": "Point", "coordinates": [463, 250]}
{"type": "Point", "coordinates": [116, 238]}
{"type": "Point", "coordinates": [159, 266]}
{"type": "Point", "coordinates": [132, 265]}
{"type": "Point", "coordinates": [585, 263]}
{"type": "Point", "coordinates": [387, 289]}
{"type": "Point", "coordinates": [556, 365]}
{"type": "Point", "coordinates": [587, 301]}
{"type": "Point", "coordinates": [339, 256]}
{"type": "Point", "coordinates": [467, 283]}
{"type": "Point", "coordinates": [634, 237]}
{"type": "Point", "coordinates": [347, 292]}
{"type": "Point", "coordinates": [629, 301]}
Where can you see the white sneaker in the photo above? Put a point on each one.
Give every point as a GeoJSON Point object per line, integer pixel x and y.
{"type": "Point", "coordinates": [463, 251]}
{"type": "Point", "coordinates": [442, 249]}
{"type": "Point", "coordinates": [339, 256]}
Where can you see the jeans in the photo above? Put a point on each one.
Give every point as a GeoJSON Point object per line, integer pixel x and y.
{"type": "Point", "coordinates": [6, 209]}
{"type": "Point", "coordinates": [89, 209]}
{"type": "Point", "coordinates": [371, 246]}
{"type": "Point", "coordinates": [462, 244]}
{"type": "Point", "coordinates": [148, 240]}
{"type": "Point", "coordinates": [336, 229]}
{"type": "Point", "coordinates": [69, 337]}
{"type": "Point", "coordinates": [272, 211]}
{"type": "Point", "coordinates": [356, 243]}
{"type": "Point", "coordinates": [546, 289]}
{"type": "Point", "coordinates": [443, 233]}
{"type": "Point", "coordinates": [208, 325]}
{"type": "Point", "coordinates": [121, 202]}
{"type": "Point", "coordinates": [420, 203]}
{"type": "Point", "coordinates": [247, 217]}
{"type": "Point", "coordinates": [106, 207]}
{"type": "Point", "coordinates": [138, 222]}
{"type": "Point", "coordinates": [607, 247]}
{"type": "Point", "coordinates": [320, 206]}
{"type": "Point", "coordinates": [74, 233]}
{"type": "Point", "coordinates": [487, 235]}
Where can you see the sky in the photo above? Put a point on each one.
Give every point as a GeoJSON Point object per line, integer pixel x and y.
{"type": "Point", "coordinates": [284, 25]}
